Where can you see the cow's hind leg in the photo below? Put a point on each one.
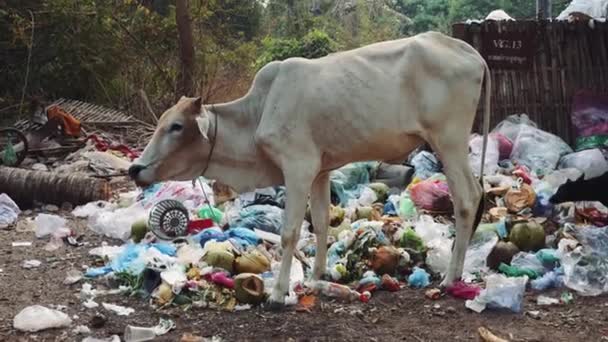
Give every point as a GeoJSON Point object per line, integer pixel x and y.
{"type": "Point", "coordinates": [320, 200]}
{"type": "Point", "coordinates": [466, 194]}
{"type": "Point", "coordinates": [298, 182]}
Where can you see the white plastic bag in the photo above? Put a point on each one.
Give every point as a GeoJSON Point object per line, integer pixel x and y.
{"type": "Point", "coordinates": [591, 162]}
{"type": "Point", "coordinates": [492, 155]}
{"type": "Point", "coordinates": [48, 224]}
{"type": "Point", "coordinates": [436, 238]}
{"type": "Point", "coordinates": [9, 211]}
{"type": "Point", "coordinates": [586, 267]}
{"type": "Point", "coordinates": [501, 292]}
{"type": "Point", "coordinates": [92, 208]}
{"type": "Point", "coordinates": [117, 224]}
{"type": "Point", "coordinates": [36, 317]}
{"type": "Point", "coordinates": [592, 8]}
{"type": "Point", "coordinates": [475, 259]}
{"type": "Point", "coordinates": [540, 151]}
{"type": "Point", "coordinates": [524, 260]}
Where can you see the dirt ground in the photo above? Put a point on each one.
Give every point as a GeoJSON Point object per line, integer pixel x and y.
{"type": "Point", "coordinates": [402, 316]}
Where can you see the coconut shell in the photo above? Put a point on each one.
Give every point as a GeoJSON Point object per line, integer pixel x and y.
{"type": "Point", "coordinates": [139, 230]}
{"type": "Point", "coordinates": [503, 252]}
{"type": "Point", "coordinates": [249, 288]}
{"type": "Point", "coordinates": [252, 262]}
{"type": "Point", "coordinates": [528, 236]}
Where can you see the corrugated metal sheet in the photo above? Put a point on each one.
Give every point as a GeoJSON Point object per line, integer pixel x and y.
{"type": "Point", "coordinates": [87, 113]}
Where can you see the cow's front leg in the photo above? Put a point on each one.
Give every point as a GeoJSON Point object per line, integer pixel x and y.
{"type": "Point", "coordinates": [319, 209]}
{"type": "Point", "coordinates": [297, 189]}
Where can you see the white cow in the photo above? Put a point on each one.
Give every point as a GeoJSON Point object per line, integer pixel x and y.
{"type": "Point", "coordinates": [303, 118]}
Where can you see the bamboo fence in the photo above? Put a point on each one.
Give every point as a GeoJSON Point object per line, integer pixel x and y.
{"type": "Point", "coordinates": [567, 57]}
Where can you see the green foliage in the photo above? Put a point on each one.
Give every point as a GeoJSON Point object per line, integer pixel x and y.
{"type": "Point", "coordinates": [315, 44]}
{"type": "Point", "coordinates": [106, 51]}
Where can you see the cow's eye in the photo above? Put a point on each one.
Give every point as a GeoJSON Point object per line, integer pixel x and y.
{"type": "Point", "coordinates": [176, 127]}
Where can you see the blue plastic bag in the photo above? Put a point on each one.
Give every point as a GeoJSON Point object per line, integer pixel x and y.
{"type": "Point", "coordinates": [419, 278]}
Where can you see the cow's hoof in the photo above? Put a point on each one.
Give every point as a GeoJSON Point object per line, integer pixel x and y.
{"type": "Point", "coordinates": [273, 305]}
{"type": "Point", "coordinates": [446, 282]}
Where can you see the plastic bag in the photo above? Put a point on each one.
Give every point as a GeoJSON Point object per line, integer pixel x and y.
{"type": "Point", "coordinates": [492, 155]}
{"type": "Point", "coordinates": [480, 247]}
{"type": "Point", "coordinates": [425, 164]}
{"type": "Point", "coordinates": [591, 162]}
{"type": "Point", "coordinates": [345, 182]}
{"type": "Point", "coordinates": [586, 267]}
{"type": "Point", "coordinates": [436, 238]}
{"type": "Point", "coordinates": [92, 208]}
{"type": "Point", "coordinates": [263, 217]}
{"type": "Point", "coordinates": [529, 261]}
{"type": "Point", "coordinates": [538, 150]}
{"type": "Point", "coordinates": [117, 224]}
{"type": "Point", "coordinates": [433, 195]}
{"type": "Point", "coordinates": [505, 145]}
{"type": "Point", "coordinates": [592, 8]}
{"type": "Point", "coordinates": [500, 293]}
{"type": "Point", "coordinates": [9, 211]}
{"type": "Point", "coordinates": [48, 224]}
{"type": "Point", "coordinates": [193, 198]}
{"type": "Point", "coordinates": [36, 317]}
{"type": "Point", "coordinates": [419, 278]}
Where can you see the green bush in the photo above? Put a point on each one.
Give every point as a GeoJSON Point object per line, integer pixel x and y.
{"type": "Point", "coordinates": [315, 44]}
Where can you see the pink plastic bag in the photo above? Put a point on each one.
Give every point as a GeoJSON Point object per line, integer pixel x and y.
{"type": "Point", "coordinates": [505, 145]}
{"type": "Point", "coordinates": [463, 290]}
{"type": "Point", "coordinates": [433, 195]}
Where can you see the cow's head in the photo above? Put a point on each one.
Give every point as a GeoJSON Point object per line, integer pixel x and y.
{"type": "Point", "coordinates": [178, 148]}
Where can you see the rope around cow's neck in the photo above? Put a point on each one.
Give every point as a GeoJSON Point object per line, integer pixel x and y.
{"type": "Point", "coordinates": [213, 142]}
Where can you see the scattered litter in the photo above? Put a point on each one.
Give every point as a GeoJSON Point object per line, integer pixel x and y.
{"type": "Point", "coordinates": [36, 317]}
{"type": "Point", "coordinates": [487, 336]}
{"type": "Point", "coordinates": [544, 300]}
{"type": "Point", "coordinates": [28, 264]}
{"type": "Point", "coordinates": [140, 334]}
{"type": "Point", "coordinates": [21, 244]}
{"type": "Point", "coordinates": [82, 330]}
{"type": "Point", "coordinates": [117, 309]}
{"type": "Point", "coordinates": [113, 338]}
{"type": "Point", "coordinates": [73, 276]}
{"type": "Point", "coordinates": [48, 224]}
{"type": "Point", "coordinates": [9, 211]}
{"type": "Point", "coordinates": [500, 293]}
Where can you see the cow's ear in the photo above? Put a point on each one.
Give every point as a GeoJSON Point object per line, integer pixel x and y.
{"type": "Point", "coordinates": [202, 121]}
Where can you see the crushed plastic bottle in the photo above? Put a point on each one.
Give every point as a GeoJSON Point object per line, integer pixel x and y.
{"type": "Point", "coordinates": [334, 290]}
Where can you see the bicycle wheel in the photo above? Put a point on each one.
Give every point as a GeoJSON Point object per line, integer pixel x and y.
{"type": "Point", "coordinates": [13, 147]}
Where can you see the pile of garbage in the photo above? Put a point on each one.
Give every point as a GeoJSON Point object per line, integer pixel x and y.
{"type": "Point", "coordinates": [391, 226]}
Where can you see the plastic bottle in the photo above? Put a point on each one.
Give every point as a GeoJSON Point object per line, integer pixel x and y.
{"type": "Point", "coordinates": [335, 290]}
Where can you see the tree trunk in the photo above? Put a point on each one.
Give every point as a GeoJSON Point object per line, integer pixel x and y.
{"type": "Point", "coordinates": [185, 85]}
{"type": "Point", "coordinates": [26, 187]}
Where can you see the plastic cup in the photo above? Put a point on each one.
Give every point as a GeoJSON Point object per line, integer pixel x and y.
{"type": "Point", "coordinates": [139, 334]}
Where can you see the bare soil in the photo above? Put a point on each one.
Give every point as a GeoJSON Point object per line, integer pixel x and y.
{"type": "Point", "coordinates": [406, 315]}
